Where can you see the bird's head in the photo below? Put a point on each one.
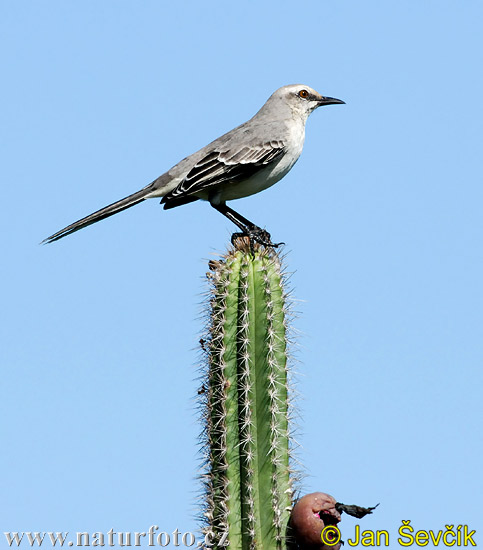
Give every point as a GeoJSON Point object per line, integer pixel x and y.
{"type": "Point", "coordinates": [300, 99]}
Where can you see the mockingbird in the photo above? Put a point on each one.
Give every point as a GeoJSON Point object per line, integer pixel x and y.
{"type": "Point", "coordinates": [246, 160]}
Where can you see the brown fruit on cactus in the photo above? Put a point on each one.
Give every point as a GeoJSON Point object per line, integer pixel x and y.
{"type": "Point", "coordinates": [310, 516]}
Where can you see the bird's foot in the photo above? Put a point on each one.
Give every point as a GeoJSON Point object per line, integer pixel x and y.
{"type": "Point", "coordinates": [256, 235]}
{"type": "Point", "coordinates": [262, 237]}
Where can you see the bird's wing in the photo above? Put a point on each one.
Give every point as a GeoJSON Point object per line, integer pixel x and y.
{"type": "Point", "coordinates": [229, 166]}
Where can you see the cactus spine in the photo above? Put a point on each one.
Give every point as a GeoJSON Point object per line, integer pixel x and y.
{"type": "Point", "coordinates": [245, 402]}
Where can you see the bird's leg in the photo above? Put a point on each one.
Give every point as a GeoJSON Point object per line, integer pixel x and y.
{"type": "Point", "coordinates": [248, 228]}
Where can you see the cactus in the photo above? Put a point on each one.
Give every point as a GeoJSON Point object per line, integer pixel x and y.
{"type": "Point", "coordinates": [248, 488]}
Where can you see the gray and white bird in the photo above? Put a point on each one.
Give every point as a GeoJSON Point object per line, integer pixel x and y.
{"type": "Point", "coordinates": [242, 162]}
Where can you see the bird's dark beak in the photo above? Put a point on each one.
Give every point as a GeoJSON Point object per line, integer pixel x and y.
{"type": "Point", "coordinates": [329, 101]}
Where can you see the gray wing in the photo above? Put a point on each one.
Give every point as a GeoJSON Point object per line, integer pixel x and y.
{"type": "Point", "coordinates": [223, 167]}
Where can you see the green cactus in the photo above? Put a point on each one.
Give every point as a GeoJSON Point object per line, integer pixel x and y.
{"type": "Point", "coordinates": [248, 485]}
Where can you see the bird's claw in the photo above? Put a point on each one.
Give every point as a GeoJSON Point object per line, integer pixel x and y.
{"type": "Point", "coordinates": [256, 235]}
{"type": "Point", "coordinates": [262, 237]}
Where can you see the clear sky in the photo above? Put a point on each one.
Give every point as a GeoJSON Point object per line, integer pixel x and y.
{"type": "Point", "coordinates": [382, 217]}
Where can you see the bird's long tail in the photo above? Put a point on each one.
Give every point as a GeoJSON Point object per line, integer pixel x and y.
{"type": "Point", "coordinates": [105, 212]}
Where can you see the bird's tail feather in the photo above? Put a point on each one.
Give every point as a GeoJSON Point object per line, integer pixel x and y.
{"type": "Point", "coordinates": [105, 212]}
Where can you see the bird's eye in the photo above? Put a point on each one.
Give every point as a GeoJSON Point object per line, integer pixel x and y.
{"type": "Point", "coordinates": [303, 94]}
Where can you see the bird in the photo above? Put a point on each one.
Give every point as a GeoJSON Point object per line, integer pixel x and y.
{"type": "Point", "coordinates": [242, 162]}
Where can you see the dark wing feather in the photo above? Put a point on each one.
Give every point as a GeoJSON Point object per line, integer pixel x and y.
{"type": "Point", "coordinates": [219, 167]}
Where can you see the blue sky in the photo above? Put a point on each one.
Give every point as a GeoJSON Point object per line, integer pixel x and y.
{"type": "Point", "coordinates": [383, 225]}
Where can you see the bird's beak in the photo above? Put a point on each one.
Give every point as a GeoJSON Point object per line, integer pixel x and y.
{"type": "Point", "coordinates": [329, 101]}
